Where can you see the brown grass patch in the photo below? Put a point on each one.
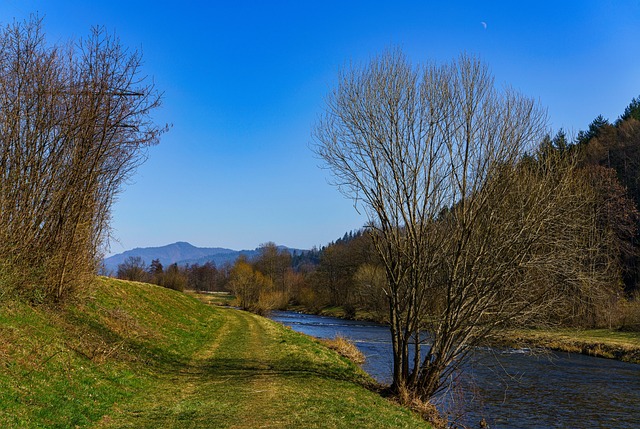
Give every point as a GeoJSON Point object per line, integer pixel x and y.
{"type": "Point", "coordinates": [123, 324]}
{"type": "Point", "coordinates": [346, 348]}
{"type": "Point", "coordinates": [425, 409]}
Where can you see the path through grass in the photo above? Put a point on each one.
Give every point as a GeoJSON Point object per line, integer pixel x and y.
{"type": "Point", "coordinates": [256, 374]}
{"type": "Point", "coordinates": [140, 356]}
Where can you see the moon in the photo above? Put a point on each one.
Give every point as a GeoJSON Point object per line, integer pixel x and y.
{"type": "Point", "coordinates": [484, 24]}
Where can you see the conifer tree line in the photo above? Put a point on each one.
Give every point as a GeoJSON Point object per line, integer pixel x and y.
{"type": "Point", "coordinates": [203, 278]}
{"type": "Point", "coordinates": [74, 124]}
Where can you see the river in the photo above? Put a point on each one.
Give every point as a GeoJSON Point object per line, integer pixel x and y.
{"type": "Point", "coordinates": [509, 388]}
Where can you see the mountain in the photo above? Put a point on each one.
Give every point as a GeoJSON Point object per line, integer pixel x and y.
{"type": "Point", "coordinates": [182, 253]}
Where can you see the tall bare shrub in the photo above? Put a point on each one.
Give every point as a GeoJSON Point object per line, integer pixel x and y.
{"type": "Point", "coordinates": [74, 123]}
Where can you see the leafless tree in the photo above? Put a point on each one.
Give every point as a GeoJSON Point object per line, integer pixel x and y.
{"type": "Point", "coordinates": [74, 123]}
{"type": "Point", "coordinates": [133, 268]}
{"type": "Point", "coordinates": [274, 263]}
{"type": "Point", "coordinates": [469, 235]}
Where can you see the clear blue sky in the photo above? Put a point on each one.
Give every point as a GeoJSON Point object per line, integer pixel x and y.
{"type": "Point", "coordinates": [244, 82]}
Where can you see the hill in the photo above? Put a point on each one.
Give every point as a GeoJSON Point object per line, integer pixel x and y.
{"type": "Point", "coordinates": [137, 355]}
{"type": "Point", "coordinates": [182, 253]}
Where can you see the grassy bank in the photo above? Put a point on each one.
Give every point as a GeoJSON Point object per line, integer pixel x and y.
{"type": "Point", "coordinates": [605, 343]}
{"type": "Point", "coordinates": [133, 355]}
{"type": "Point", "coordinates": [340, 313]}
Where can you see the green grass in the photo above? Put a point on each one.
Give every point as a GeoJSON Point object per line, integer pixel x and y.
{"type": "Point", "coordinates": [214, 298]}
{"type": "Point", "coordinates": [134, 355]}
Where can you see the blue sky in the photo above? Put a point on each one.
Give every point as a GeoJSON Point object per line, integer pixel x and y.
{"type": "Point", "coordinates": [244, 83]}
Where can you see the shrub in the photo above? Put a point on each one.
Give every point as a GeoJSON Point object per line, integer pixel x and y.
{"type": "Point", "coordinates": [630, 314]}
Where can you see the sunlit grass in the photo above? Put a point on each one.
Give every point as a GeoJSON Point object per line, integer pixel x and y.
{"type": "Point", "coordinates": [214, 298]}
{"type": "Point", "coordinates": [133, 355]}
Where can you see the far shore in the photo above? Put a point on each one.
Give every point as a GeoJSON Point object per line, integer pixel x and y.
{"type": "Point", "coordinates": [603, 343]}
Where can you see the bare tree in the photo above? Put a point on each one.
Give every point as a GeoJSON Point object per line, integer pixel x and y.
{"type": "Point", "coordinates": [465, 231]}
{"type": "Point", "coordinates": [74, 122]}
{"type": "Point", "coordinates": [133, 268]}
{"type": "Point", "coordinates": [273, 263]}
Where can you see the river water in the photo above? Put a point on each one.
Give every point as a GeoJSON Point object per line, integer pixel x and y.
{"type": "Point", "coordinates": [509, 388]}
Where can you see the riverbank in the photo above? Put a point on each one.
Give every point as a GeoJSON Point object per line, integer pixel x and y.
{"type": "Point", "coordinates": [603, 343]}
{"type": "Point", "coordinates": [138, 355]}
{"type": "Point", "coordinates": [340, 313]}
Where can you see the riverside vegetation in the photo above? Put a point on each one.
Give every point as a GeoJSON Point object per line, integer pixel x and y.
{"type": "Point", "coordinates": [604, 343]}
{"type": "Point", "coordinates": [477, 223]}
{"type": "Point", "coordinates": [138, 355]}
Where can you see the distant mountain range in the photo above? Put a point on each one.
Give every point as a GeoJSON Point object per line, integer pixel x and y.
{"type": "Point", "coordinates": [182, 253]}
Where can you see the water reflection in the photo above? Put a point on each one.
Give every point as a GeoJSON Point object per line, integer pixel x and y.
{"type": "Point", "coordinates": [509, 388]}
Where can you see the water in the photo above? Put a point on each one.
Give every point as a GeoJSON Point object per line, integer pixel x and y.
{"type": "Point", "coordinates": [508, 388]}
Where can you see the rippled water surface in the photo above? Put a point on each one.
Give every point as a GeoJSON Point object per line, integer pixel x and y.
{"type": "Point", "coordinates": [509, 388]}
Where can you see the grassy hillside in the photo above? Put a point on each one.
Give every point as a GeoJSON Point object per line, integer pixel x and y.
{"type": "Point", "coordinates": [134, 355]}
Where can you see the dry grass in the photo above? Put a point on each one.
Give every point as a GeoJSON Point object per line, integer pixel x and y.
{"type": "Point", "coordinates": [426, 410]}
{"type": "Point", "coordinates": [345, 348]}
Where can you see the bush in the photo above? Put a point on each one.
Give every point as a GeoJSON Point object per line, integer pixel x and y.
{"type": "Point", "coordinates": [349, 310]}
{"type": "Point", "coordinates": [630, 314]}
{"type": "Point", "coordinates": [269, 301]}
{"type": "Point", "coordinates": [174, 278]}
